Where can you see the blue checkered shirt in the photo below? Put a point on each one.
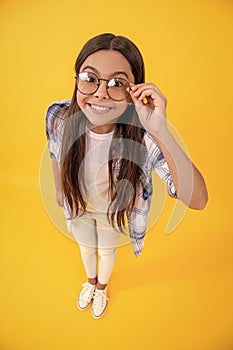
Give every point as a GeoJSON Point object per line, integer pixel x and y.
{"type": "Point", "coordinates": [137, 221]}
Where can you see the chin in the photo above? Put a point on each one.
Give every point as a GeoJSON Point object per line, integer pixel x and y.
{"type": "Point", "coordinates": [101, 119]}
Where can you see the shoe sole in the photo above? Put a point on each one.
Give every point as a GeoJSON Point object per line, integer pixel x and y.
{"type": "Point", "coordinates": [84, 308]}
{"type": "Point", "coordinates": [101, 315]}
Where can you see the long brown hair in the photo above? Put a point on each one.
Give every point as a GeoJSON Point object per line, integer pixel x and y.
{"type": "Point", "coordinates": [125, 158]}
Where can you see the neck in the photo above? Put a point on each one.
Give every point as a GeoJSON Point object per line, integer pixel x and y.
{"type": "Point", "coordinates": [103, 129]}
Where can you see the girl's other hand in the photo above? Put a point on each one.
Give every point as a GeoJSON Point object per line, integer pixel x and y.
{"type": "Point", "coordinates": [150, 105]}
{"type": "Point", "coordinates": [60, 198]}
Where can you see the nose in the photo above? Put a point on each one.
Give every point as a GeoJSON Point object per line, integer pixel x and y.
{"type": "Point", "coordinates": [101, 92]}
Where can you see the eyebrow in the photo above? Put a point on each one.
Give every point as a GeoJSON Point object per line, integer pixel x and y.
{"type": "Point", "coordinates": [115, 73]}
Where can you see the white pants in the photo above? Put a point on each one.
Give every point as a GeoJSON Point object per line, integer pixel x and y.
{"type": "Point", "coordinates": [94, 234]}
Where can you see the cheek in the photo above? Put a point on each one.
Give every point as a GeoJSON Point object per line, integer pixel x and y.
{"type": "Point", "coordinates": [80, 99]}
{"type": "Point", "coordinates": [121, 107]}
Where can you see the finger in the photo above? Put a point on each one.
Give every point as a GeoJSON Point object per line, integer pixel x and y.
{"type": "Point", "coordinates": [135, 100]}
{"type": "Point", "coordinates": [147, 88]}
{"type": "Point", "coordinates": [137, 86]}
{"type": "Point", "coordinates": [151, 99]}
{"type": "Point", "coordinates": [148, 93]}
{"type": "Point", "coordinates": [141, 87]}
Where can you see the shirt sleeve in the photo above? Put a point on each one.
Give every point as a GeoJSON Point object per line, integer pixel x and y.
{"type": "Point", "coordinates": [55, 117]}
{"type": "Point", "coordinates": [162, 169]}
{"type": "Point", "coordinates": [159, 165]}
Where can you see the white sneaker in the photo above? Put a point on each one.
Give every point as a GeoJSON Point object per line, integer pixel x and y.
{"type": "Point", "coordinates": [86, 295]}
{"type": "Point", "coordinates": [100, 303]}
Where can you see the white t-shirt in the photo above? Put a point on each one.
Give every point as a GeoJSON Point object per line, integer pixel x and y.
{"type": "Point", "coordinates": [96, 170]}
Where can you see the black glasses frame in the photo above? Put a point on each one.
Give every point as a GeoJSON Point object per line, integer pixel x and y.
{"type": "Point", "coordinates": [107, 87]}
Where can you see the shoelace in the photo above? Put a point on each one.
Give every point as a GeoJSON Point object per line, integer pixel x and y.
{"type": "Point", "coordinates": [87, 291]}
{"type": "Point", "coordinates": [99, 297]}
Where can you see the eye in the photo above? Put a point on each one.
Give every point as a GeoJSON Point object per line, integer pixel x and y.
{"type": "Point", "coordinates": [88, 77]}
{"type": "Point", "coordinates": [119, 83]}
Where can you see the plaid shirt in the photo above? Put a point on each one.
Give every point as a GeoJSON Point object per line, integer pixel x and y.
{"type": "Point", "coordinates": [137, 221]}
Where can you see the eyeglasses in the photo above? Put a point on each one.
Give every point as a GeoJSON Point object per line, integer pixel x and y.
{"type": "Point", "coordinates": [88, 83]}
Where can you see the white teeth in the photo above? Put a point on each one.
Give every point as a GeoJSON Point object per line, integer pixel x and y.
{"type": "Point", "coordinates": [100, 108]}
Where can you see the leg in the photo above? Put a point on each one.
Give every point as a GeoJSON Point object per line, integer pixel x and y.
{"type": "Point", "coordinates": [107, 241]}
{"type": "Point", "coordinates": [89, 258]}
{"type": "Point", "coordinates": [107, 260]}
{"type": "Point", "coordinates": [84, 231]}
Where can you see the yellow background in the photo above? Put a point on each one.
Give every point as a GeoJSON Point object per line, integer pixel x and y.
{"type": "Point", "coordinates": [178, 295]}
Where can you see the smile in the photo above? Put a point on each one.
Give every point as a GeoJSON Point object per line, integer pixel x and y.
{"type": "Point", "coordinates": [98, 108]}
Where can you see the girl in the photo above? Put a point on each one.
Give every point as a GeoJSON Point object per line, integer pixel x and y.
{"type": "Point", "coordinates": [104, 144]}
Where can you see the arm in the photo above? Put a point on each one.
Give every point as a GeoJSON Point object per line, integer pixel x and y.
{"type": "Point", "coordinates": [57, 182]}
{"type": "Point", "coordinates": [188, 181]}
{"type": "Point", "coordinates": [55, 117]}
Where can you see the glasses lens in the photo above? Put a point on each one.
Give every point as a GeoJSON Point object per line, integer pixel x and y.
{"type": "Point", "coordinates": [117, 89]}
{"type": "Point", "coordinates": [87, 83]}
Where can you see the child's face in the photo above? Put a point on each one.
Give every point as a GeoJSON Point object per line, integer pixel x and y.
{"type": "Point", "coordinates": [99, 108]}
